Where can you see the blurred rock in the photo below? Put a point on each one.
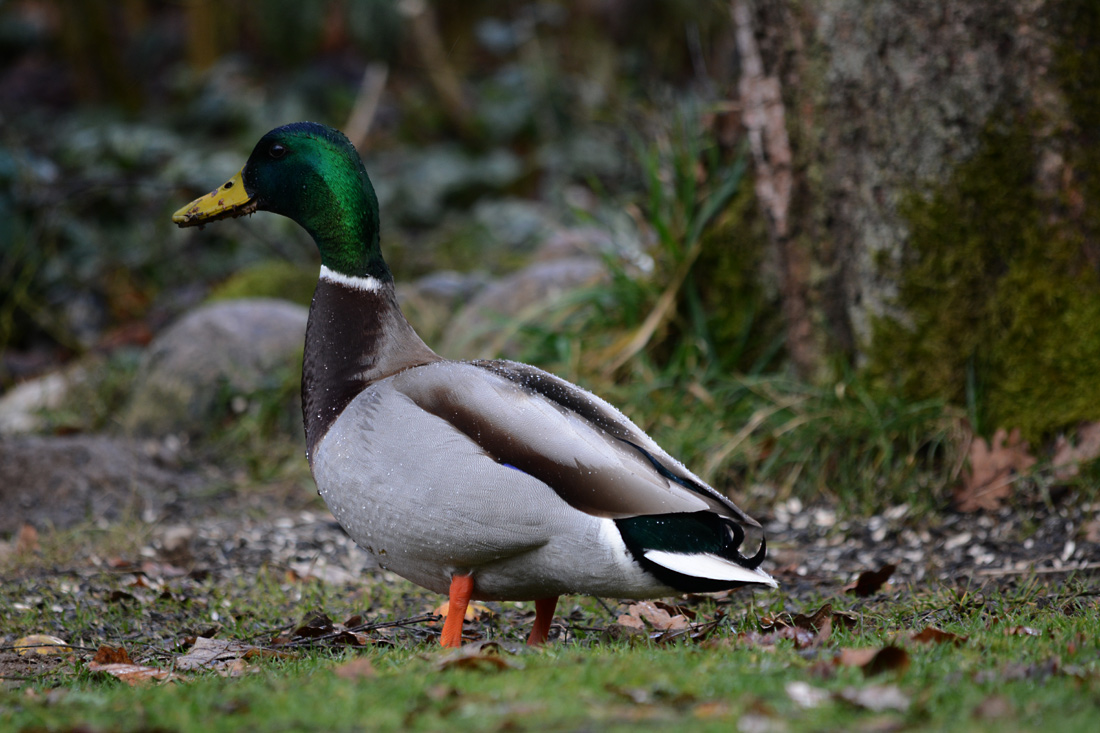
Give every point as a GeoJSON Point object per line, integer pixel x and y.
{"type": "Point", "coordinates": [431, 301]}
{"type": "Point", "coordinates": [62, 481]}
{"type": "Point", "coordinates": [516, 224]}
{"type": "Point", "coordinates": [22, 405]}
{"type": "Point", "coordinates": [484, 327]}
{"type": "Point", "coordinates": [575, 242]}
{"type": "Point", "coordinates": [219, 350]}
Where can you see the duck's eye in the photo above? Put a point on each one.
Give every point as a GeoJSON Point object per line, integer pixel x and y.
{"type": "Point", "coordinates": [276, 151]}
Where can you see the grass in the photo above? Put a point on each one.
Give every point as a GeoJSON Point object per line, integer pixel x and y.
{"type": "Point", "coordinates": [1029, 660]}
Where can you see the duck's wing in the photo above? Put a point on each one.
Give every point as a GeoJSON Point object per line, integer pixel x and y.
{"type": "Point", "coordinates": [588, 452]}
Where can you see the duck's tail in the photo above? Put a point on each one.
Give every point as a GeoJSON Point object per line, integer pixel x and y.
{"type": "Point", "coordinates": [695, 552]}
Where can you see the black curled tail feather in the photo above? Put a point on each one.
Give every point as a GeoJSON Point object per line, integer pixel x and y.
{"type": "Point", "coordinates": [732, 549]}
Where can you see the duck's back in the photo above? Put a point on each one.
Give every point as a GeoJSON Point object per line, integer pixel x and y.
{"type": "Point", "coordinates": [411, 476]}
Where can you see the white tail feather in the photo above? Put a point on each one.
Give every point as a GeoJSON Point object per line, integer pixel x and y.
{"type": "Point", "coordinates": [706, 565]}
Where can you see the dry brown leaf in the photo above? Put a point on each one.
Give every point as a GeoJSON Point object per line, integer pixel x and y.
{"type": "Point", "coordinates": [479, 655]}
{"type": "Point", "coordinates": [474, 611]}
{"type": "Point", "coordinates": [821, 619]}
{"type": "Point", "coordinates": [112, 655]}
{"type": "Point", "coordinates": [677, 610]}
{"type": "Point", "coordinates": [115, 661]}
{"type": "Point", "coordinates": [638, 614]}
{"type": "Point", "coordinates": [802, 638]}
{"type": "Point", "coordinates": [988, 481]}
{"type": "Point", "coordinates": [315, 625]}
{"type": "Point", "coordinates": [930, 634]}
{"type": "Point", "coordinates": [42, 644]}
{"type": "Point", "coordinates": [133, 674]}
{"type": "Point", "coordinates": [889, 658]}
{"type": "Point", "coordinates": [1069, 457]}
{"type": "Point", "coordinates": [870, 581]}
{"type": "Point", "coordinates": [854, 657]}
{"type": "Point", "coordinates": [216, 654]}
{"type": "Point", "coordinates": [1092, 531]}
{"type": "Point", "coordinates": [806, 630]}
{"type": "Point", "coordinates": [356, 669]}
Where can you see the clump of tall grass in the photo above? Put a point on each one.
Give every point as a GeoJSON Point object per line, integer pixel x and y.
{"type": "Point", "coordinates": [694, 353]}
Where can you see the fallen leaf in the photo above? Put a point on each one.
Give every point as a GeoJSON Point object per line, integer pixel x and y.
{"type": "Point", "coordinates": [988, 481]}
{"type": "Point", "coordinates": [677, 610]}
{"type": "Point", "coordinates": [802, 638]}
{"type": "Point", "coordinates": [657, 617]}
{"type": "Point", "coordinates": [216, 654]}
{"type": "Point", "coordinates": [357, 669]}
{"type": "Point", "coordinates": [133, 674]}
{"type": "Point", "coordinates": [854, 657]}
{"type": "Point", "coordinates": [479, 655]}
{"type": "Point", "coordinates": [805, 695]}
{"type": "Point", "coordinates": [876, 697]}
{"type": "Point", "coordinates": [314, 625]}
{"type": "Point", "coordinates": [873, 662]}
{"type": "Point", "coordinates": [42, 644]}
{"type": "Point", "coordinates": [821, 619]}
{"type": "Point", "coordinates": [1068, 457]}
{"type": "Point", "coordinates": [889, 658]}
{"type": "Point", "coordinates": [806, 630]}
{"type": "Point", "coordinates": [870, 581]}
{"type": "Point", "coordinates": [112, 655]}
{"type": "Point", "coordinates": [930, 634]}
{"type": "Point", "coordinates": [1092, 531]}
{"type": "Point", "coordinates": [474, 611]}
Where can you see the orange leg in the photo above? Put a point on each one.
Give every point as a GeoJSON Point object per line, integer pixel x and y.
{"type": "Point", "coordinates": [462, 587]}
{"type": "Point", "coordinates": [544, 614]}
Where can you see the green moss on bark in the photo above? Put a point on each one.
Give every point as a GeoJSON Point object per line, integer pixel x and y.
{"type": "Point", "coordinates": [1002, 293]}
{"type": "Point", "coordinates": [1002, 300]}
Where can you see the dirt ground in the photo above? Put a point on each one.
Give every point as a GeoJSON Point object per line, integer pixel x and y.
{"type": "Point", "coordinates": [226, 541]}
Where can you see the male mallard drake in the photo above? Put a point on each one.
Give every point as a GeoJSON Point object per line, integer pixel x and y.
{"type": "Point", "coordinates": [485, 479]}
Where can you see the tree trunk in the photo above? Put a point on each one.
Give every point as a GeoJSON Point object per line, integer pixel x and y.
{"type": "Point", "coordinates": [940, 158]}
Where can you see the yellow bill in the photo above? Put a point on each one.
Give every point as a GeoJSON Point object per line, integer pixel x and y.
{"type": "Point", "coordinates": [228, 200]}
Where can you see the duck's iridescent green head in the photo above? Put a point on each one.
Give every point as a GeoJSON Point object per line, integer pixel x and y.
{"type": "Point", "coordinates": [312, 174]}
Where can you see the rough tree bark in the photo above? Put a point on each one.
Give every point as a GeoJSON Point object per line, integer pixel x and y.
{"type": "Point", "coordinates": [856, 109]}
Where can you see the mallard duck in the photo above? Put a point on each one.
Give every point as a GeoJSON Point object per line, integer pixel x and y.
{"type": "Point", "coordinates": [489, 479]}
